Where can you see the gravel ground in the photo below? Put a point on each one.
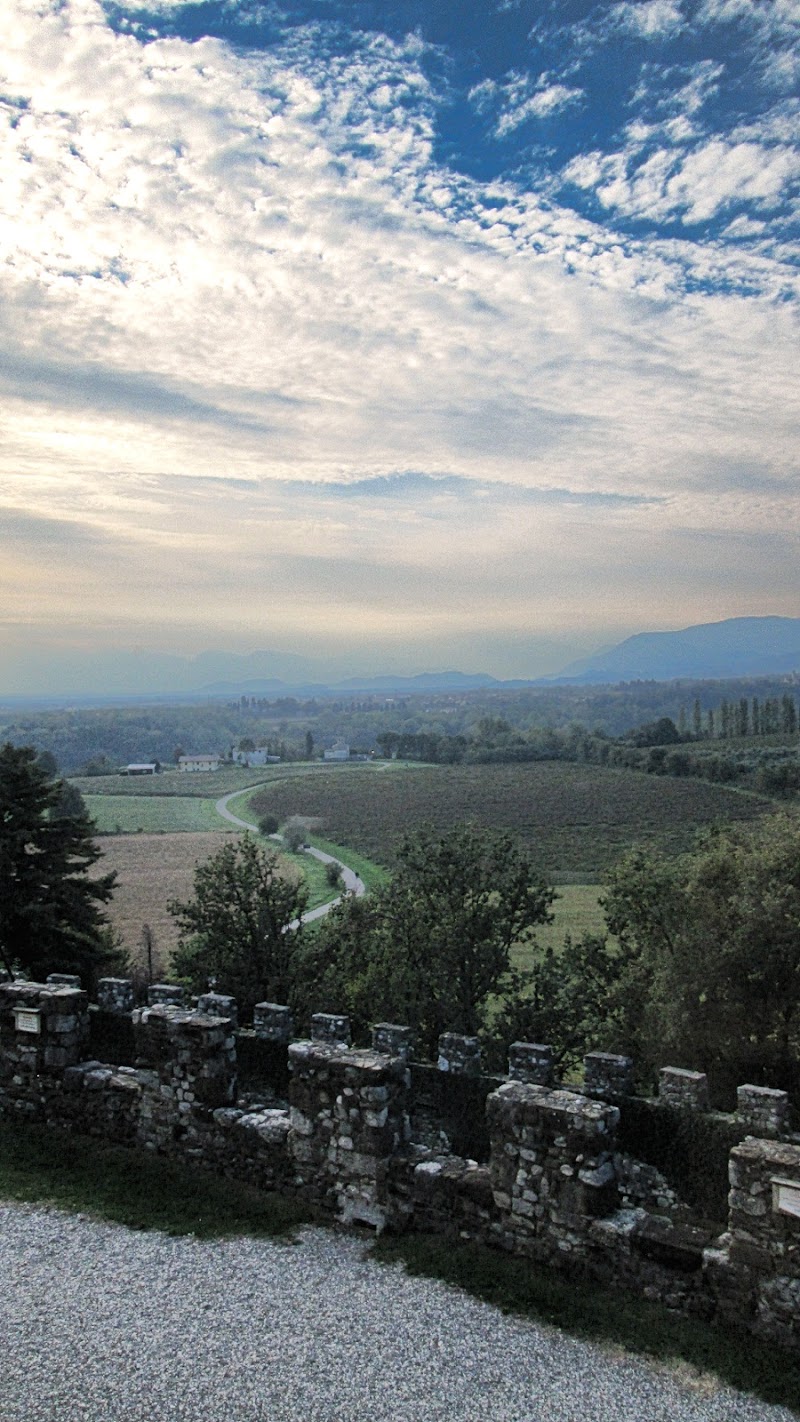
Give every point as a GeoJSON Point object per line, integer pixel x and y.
{"type": "Point", "coordinates": [103, 1323]}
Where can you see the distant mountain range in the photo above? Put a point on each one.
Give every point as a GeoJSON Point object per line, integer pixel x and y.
{"type": "Point", "coordinates": [740, 646]}
{"type": "Point", "coordinates": [375, 685]}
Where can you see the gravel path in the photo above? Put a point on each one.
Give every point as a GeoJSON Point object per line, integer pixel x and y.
{"type": "Point", "coordinates": [103, 1324]}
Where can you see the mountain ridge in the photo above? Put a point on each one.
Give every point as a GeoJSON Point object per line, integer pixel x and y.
{"type": "Point", "coordinates": [734, 647]}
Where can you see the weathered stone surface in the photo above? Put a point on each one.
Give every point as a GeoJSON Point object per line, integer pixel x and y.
{"type": "Point", "coordinates": [44, 1027]}
{"type": "Point", "coordinates": [172, 994]}
{"type": "Point", "coordinates": [684, 1089]}
{"type": "Point", "coordinates": [549, 1192]}
{"type": "Point", "coordinates": [531, 1062]}
{"type": "Point", "coordinates": [552, 1161]}
{"type": "Point", "coordinates": [273, 1021]}
{"type": "Point", "coordinates": [393, 1039]}
{"type": "Point", "coordinates": [115, 995]}
{"type": "Point", "coordinates": [330, 1027]}
{"type": "Point", "coordinates": [607, 1075]}
{"type": "Point", "coordinates": [218, 1004]}
{"type": "Point", "coordinates": [461, 1055]}
{"type": "Point", "coordinates": [348, 1116]}
{"type": "Point", "coordinates": [765, 1111]}
{"type": "Point", "coordinates": [677, 1245]}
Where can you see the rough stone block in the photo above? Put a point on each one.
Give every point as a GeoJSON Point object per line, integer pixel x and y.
{"type": "Point", "coordinates": [765, 1111]}
{"type": "Point", "coordinates": [686, 1089]}
{"type": "Point", "coordinates": [460, 1055]}
{"type": "Point", "coordinates": [218, 1004]}
{"type": "Point", "coordinates": [607, 1075]}
{"type": "Point", "coordinates": [273, 1022]}
{"type": "Point", "coordinates": [330, 1027]}
{"type": "Point", "coordinates": [115, 995]}
{"type": "Point", "coordinates": [392, 1039]}
{"type": "Point", "coordinates": [169, 994]}
{"type": "Point", "coordinates": [64, 980]}
{"type": "Point", "coordinates": [531, 1062]}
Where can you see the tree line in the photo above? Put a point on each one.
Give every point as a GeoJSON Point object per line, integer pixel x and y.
{"type": "Point", "coordinates": [438, 727]}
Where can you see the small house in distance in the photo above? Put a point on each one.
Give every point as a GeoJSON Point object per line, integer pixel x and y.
{"type": "Point", "coordinates": [340, 750]}
{"type": "Point", "coordinates": [255, 757]}
{"type": "Point", "coordinates": [198, 762]}
{"type": "Point", "coordinates": [146, 767]}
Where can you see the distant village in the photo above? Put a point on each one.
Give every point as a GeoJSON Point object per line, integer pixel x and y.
{"type": "Point", "coordinates": [197, 764]}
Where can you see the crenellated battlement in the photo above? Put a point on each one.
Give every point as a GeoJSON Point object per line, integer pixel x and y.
{"type": "Point", "coordinates": [567, 1176]}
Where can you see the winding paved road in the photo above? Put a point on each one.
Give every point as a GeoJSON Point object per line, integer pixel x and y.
{"type": "Point", "coordinates": [353, 884]}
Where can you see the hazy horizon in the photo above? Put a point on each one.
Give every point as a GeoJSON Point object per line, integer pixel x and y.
{"type": "Point", "coordinates": [401, 336]}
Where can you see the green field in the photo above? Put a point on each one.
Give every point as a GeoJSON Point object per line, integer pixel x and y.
{"type": "Point", "coordinates": [576, 819]}
{"type": "Point", "coordinates": [576, 911]}
{"type": "Point", "coordinates": [154, 814]}
{"type": "Point", "coordinates": [205, 784]}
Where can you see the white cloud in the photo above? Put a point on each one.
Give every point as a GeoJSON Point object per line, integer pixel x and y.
{"type": "Point", "coordinates": [227, 264]}
{"type": "Point", "coordinates": [692, 186]}
{"type": "Point", "coordinates": [541, 104]}
{"type": "Point", "coordinates": [520, 97]}
{"type": "Point", "coordinates": [652, 19]}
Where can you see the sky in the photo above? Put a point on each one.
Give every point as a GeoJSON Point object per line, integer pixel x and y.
{"type": "Point", "coordinates": [406, 335]}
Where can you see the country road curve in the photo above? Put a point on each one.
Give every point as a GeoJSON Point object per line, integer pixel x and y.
{"type": "Point", "coordinates": [352, 882]}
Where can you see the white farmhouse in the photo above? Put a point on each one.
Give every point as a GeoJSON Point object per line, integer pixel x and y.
{"type": "Point", "coordinates": [198, 762]}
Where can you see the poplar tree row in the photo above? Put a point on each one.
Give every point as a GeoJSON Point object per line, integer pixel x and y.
{"type": "Point", "coordinates": [774, 715]}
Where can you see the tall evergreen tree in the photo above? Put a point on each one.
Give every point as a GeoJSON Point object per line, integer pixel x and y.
{"type": "Point", "coordinates": [51, 917]}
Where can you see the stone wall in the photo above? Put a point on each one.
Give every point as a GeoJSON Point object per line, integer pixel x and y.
{"type": "Point", "coordinates": [552, 1169]}
{"type": "Point", "coordinates": [554, 1186]}
{"type": "Point", "coordinates": [754, 1272]}
{"type": "Point", "coordinates": [348, 1118]}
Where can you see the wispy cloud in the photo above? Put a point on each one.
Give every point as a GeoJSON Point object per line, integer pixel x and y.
{"type": "Point", "coordinates": [651, 19]}
{"type": "Point", "coordinates": [264, 329]}
{"type": "Point", "coordinates": [519, 97]}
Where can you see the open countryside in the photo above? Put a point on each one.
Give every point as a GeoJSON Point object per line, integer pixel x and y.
{"type": "Point", "coordinates": [576, 821]}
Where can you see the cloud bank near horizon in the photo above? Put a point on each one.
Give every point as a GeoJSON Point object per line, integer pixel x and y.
{"type": "Point", "coordinates": [327, 326]}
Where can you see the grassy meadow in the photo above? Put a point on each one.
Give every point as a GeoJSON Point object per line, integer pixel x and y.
{"type": "Point", "coordinates": [153, 814]}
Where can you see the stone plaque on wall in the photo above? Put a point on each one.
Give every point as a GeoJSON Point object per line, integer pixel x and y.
{"type": "Point", "coordinates": [28, 1019]}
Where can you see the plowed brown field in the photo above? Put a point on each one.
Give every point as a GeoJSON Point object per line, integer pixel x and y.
{"type": "Point", "coordinates": [152, 869]}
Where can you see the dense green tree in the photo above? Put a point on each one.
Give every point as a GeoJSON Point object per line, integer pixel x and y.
{"type": "Point", "coordinates": [571, 1000]}
{"type": "Point", "coordinates": [711, 948]}
{"type": "Point", "coordinates": [243, 926]}
{"type": "Point", "coordinates": [51, 916]}
{"type": "Point", "coordinates": [662, 732]}
{"type": "Point", "coordinates": [433, 946]}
